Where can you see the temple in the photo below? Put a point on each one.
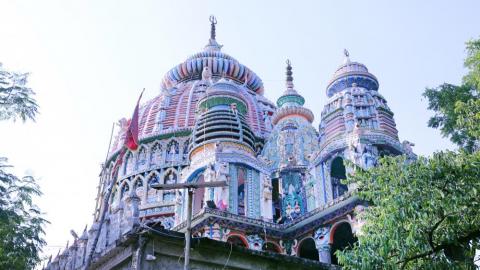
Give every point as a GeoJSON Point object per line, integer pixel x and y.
{"type": "Point", "coordinates": [284, 193]}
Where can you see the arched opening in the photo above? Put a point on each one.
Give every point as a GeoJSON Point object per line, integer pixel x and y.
{"type": "Point", "coordinates": [271, 247]}
{"type": "Point", "coordinates": [308, 250]}
{"type": "Point", "coordinates": [237, 241]}
{"type": "Point", "coordinates": [170, 178]}
{"type": "Point", "coordinates": [342, 238]}
{"type": "Point", "coordinates": [156, 154]}
{"type": "Point", "coordinates": [124, 190]}
{"type": "Point", "coordinates": [198, 196]}
{"type": "Point", "coordinates": [337, 173]}
{"type": "Point", "coordinates": [151, 192]}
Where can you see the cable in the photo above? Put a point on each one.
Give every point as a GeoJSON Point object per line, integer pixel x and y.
{"type": "Point", "coordinates": [229, 254]}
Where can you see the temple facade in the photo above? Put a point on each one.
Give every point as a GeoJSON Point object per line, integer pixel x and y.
{"type": "Point", "coordinates": [284, 192]}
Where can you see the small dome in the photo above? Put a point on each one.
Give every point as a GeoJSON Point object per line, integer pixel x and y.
{"type": "Point", "coordinates": [350, 73]}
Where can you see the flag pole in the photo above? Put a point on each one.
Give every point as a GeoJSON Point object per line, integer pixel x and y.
{"type": "Point", "coordinates": [113, 179]}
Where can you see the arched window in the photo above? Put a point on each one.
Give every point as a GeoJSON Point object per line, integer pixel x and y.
{"type": "Point", "coordinates": [138, 186]}
{"type": "Point", "coordinates": [151, 192]}
{"type": "Point", "coordinates": [343, 238]}
{"type": "Point", "coordinates": [337, 173]}
{"type": "Point", "coordinates": [308, 250]}
{"type": "Point", "coordinates": [141, 159]}
{"type": "Point", "coordinates": [172, 151]}
{"type": "Point", "coordinates": [128, 163]}
{"type": "Point", "coordinates": [155, 154]}
{"type": "Point", "coordinates": [170, 178]}
{"type": "Point", "coordinates": [125, 189]}
{"type": "Point", "coordinates": [237, 241]}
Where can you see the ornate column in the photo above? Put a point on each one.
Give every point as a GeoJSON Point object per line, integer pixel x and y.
{"type": "Point", "coordinates": [322, 237]}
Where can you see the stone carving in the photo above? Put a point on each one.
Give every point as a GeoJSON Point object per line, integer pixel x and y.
{"type": "Point", "coordinates": [407, 149]}
{"type": "Point", "coordinates": [289, 247]}
{"type": "Point", "coordinates": [322, 239]}
{"type": "Point", "coordinates": [255, 242]}
{"type": "Point", "coordinates": [206, 74]}
{"type": "Point", "coordinates": [221, 193]}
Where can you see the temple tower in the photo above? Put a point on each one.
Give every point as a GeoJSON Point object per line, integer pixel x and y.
{"type": "Point", "coordinates": [288, 151]}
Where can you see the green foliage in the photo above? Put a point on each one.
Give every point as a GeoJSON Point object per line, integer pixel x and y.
{"type": "Point", "coordinates": [469, 118]}
{"type": "Point", "coordinates": [21, 224]}
{"type": "Point", "coordinates": [442, 100]}
{"type": "Point", "coordinates": [16, 99]}
{"type": "Point", "coordinates": [472, 62]}
{"type": "Point", "coordinates": [424, 214]}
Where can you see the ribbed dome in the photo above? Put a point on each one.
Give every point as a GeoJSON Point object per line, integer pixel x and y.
{"type": "Point", "coordinates": [350, 73]}
{"type": "Point", "coordinates": [219, 63]}
{"type": "Point", "coordinates": [221, 123]}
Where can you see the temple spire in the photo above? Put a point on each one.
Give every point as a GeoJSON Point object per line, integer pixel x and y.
{"type": "Point", "coordinates": [289, 79]}
{"type": "Point", "coordinates": [213, 22]}
{"type": "Point", "coordinates": [347, 56]}
{"type": "Point", "coordinates": [290, 97]}
{"type": "Point", "coordinates": [289, 73]}
{"type": "Point", "coordinates": [212, 42]}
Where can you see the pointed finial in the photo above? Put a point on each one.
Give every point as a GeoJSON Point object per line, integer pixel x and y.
{"type": "Point", "coordinates": [347, 56]}
{"type": "Point", "coordinates": [289, 74]}
{"type": "Point", "coordinates": [213, 22]}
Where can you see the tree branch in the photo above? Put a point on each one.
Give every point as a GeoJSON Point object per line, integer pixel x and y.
{"type": "Point", "coordinates": [470, 236]}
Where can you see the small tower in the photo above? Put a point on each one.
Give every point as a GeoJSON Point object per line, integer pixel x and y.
{"type": "Point", "coordinates": [288, 150]}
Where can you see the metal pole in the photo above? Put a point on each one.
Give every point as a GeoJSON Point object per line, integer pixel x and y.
{"type": "Point", "coordinates": [189, 229]}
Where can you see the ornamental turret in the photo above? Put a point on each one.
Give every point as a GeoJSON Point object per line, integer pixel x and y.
{"type": "Point", "coordinates": [288, 151]}
{"type": "Point", "coordinates": [357, 114]}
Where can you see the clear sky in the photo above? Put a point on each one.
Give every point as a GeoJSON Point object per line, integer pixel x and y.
{"type": "Point", "coordinates": [89, 61]}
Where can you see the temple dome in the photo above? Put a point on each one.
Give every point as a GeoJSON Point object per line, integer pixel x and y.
{"type": "Point", "coordinates": [220, 64]}
{"type": "Point", "coordinates": [173, 111]}
{"type": "Point", "coordinates": [349, 73]}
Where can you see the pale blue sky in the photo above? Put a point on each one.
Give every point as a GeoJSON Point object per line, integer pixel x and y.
{"type": "Point", "coordinates": [90, 59]}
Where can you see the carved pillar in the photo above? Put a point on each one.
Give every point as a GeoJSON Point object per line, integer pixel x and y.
{"type": "Point", "coordinates": [322, 237]}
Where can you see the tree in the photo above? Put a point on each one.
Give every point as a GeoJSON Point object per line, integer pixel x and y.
{"type": "Point", "coordinates": [444, 98]}
{"type": "Point", "coordinates": [21, 222]}
{"type": "Point", "coordinates": [472, 62]}
{"type": "Point", "coordinates": [442, 101]}
{"type": "Point", "coordinates": [16, 99]}
{"type": "Point", "coordinates": [425, 213]}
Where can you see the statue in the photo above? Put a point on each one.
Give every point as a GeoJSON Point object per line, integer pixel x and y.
{"type": "Point", "coordinates": [209, 174]}
{"type": "Point", "coordinates": [267, 189]}
{"type": "Point", "coordinates": [206, 74]}
{"type": "Point", "coordinates": [221, 193]}
{"type": "Point", "coordinates": [171, 179]}
{"type": "Point", "coordinates": [407, 149]}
